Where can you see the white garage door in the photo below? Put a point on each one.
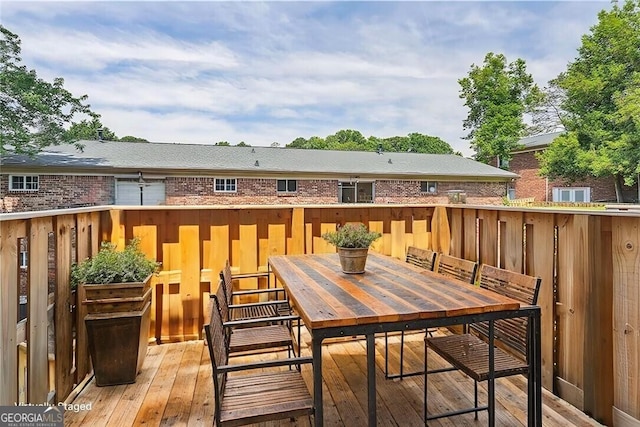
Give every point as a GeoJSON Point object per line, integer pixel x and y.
{"type": "Point", "coordinates": [128, 193]}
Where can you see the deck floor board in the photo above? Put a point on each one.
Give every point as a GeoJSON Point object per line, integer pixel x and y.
{"type": "Point", "coordinates": [175, 388]}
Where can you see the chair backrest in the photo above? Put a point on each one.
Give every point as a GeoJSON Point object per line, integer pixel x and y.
{"type": "Point", "coordinates": [457, 268]}
{"type": "Point", "coordinates": [227, 281]}
{"type": "Point", "coordinates": [223, 310]}
{"type": "Point", "coordinates": [223, 306]}
{"type": "Point", "coordinates": [218, 352]}
{"type": "Point", "coordinates": [521, 287]}
{"type": "Point", "coordinates": [425, 258]}
{"type": "Point", "coordinates": [518, 286]}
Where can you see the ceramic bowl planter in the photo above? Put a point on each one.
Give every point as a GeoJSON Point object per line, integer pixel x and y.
{"type": "Point", "coordinates": [353, 242]}
{"type": "Point", "coordinates": [353, 260]}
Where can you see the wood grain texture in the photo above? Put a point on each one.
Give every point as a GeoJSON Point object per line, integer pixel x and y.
{"type": "Point", "coordinates": [540, 247]}
{"type": "Point", "coordinates": [626, 316]}
{"type": "Point", "coordinates": [10, 232]}
{"type": "Point", "coordinates": [37, 295]}
{"type": "Point", "coordinates": [150, 401]}
{"type": "Point", "coordinates": [64, 369]}
{"type": "Point", "coordinates": [390, 290]}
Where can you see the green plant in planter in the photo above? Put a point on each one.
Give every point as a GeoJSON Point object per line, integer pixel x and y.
{"type": "Point", "coordinates": [355, 236]}
{"type": "Point", "coordinates": [112, 266]}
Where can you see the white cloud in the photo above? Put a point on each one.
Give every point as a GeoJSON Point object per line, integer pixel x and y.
{"type": "Point", "coordinates": [204, 72]}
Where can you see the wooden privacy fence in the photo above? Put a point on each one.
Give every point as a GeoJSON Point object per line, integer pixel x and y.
{"type": "Point", "coordinates": [589, 262]}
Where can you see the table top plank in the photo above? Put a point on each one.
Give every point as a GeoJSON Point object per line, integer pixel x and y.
{"type": "Point", "coordinates": [390, 290]}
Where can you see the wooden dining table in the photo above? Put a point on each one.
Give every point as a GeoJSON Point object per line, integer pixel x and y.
{"type": "Point", "coordinates": [392, 295]}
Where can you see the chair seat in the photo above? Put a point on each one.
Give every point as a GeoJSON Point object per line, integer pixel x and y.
{"type": "Point", "coordinates": [254, 311]}
{"type": "Point", "coordinates": [470, 354]}
{"type": "Point", "coordinates": [258, 338]}
{"type": "Point", "coordinates": [264, 397]}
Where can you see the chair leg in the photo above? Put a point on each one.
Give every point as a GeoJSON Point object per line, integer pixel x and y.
{"type": "Point", "coordinates": [401, 354]}
{"type": "Point", "coordinates": [386, 356]}
{"type": "Point", "coordinates": [401, 375]}
{"type": "Point", "coordinates": [475, 398]}
{"type": "Point", "coordinates": [426, 374]}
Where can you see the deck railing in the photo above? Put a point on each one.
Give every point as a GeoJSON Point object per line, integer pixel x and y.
{"type": "Point", "coordinates": [589, 262]}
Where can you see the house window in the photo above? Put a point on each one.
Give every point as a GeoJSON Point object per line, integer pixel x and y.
{"type": "Point", "coordinates": [429, 187]}
{"type": "Point", "coordinates": [23, 183]}
{"type": "Point", "coordinates": [355, 192]}
{"type": "Point", "coordinates": [572, 194]}
{"type": "Point", "coordinates": [226, 185]}
{"type": "Point", "coordinates": [503, 163]}
{"type": "Point", "coordinates": [23, 259]}
{"type": "Point", "coordinates": [287, 186]}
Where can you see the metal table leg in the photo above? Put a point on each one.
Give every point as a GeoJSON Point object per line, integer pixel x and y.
{"type": "Point", "coordinates": [371, 379]}
{"type": "Point", "coordinates": [316, 349]}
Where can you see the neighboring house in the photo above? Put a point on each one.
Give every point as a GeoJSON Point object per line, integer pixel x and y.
{"type": "Point", "coordinates": [531, 184]}
{"type": "Point", "coordinates": [126, 173]}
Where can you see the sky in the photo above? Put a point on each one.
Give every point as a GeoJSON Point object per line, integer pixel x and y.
{"type": "Point", "coordinates": [264, 72]}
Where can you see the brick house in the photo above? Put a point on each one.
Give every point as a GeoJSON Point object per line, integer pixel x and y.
{"type": "Point", "coordinates": [531, 184]}
{"type": "Point", "coordinates": [127, 173]}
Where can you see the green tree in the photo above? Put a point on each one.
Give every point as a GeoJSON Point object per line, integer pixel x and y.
{"type": "Point", "coordinates": [548, 116]}
{"type": "Point", "coordinates": [602, 105]}
{"type": "Point", "coordinates": [347, 140]}
{"type": "Point", "coordinates": [91, 130]}
{"type": "Point", "coordinates": [130, 138]}
{"type": "Point", "coordinates": [313, 143]}
{"type": "Point", "coordinates": [428, 144]}
{"type": "Point", "coordinates": [352, 140]}
{"type": "Point", "coordinates": [222, 144]}
{"type": "Point", "coordinates": [414, 143]}
{"type": "Point", "coordinates": [498, 95]}
{"type": "Point", "coordinates": [33, 112]}
{"type": "Point", "coordinates": [242, 144]}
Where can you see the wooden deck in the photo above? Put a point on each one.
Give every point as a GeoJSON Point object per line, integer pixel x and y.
{"type": "Point", "coordinates": [175, 389]}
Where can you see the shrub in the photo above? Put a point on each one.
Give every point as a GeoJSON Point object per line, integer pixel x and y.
{"type": "Point", "coordinates": [352, 236]}
{"type": "Point", "coordinates": [111, 266]}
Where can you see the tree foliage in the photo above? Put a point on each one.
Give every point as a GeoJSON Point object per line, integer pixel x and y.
{"type": "Point", "coordinates": [95, 130]}
{"type": "Point", "coordinates": [497, 95]}
{"type": "Point", "coordinates": [131, 138]}
{"type": "Point", "coordinates": [548, 115]}
{"type": "Point", "coordinates": [602, 104]}
{"type": "Point", "coordinates": [33, 112]}
{"type": "Point", "coordinates": [91, 130]}
{"type": "Point", "coordinates": [353, 140]}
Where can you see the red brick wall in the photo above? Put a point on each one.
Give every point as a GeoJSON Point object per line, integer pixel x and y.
{"type": "Point", "coordinates": [530, 184]}
{"type": "Point", "coordinates": [68, 191]}
{"type": "Point", "coordinates": [254, 191]}
{"type": "Point", "coordinates": [58, 191]}
{"type": "Point", "coordinates": [399, 191]}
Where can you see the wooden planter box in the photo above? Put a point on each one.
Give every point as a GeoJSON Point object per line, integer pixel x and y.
{"type": "Point", "coordinates": [117, 329]}
{"type": "Point", "coordinates": [118, 345]}
{"type": "Point", "coordinates": [117, 297]}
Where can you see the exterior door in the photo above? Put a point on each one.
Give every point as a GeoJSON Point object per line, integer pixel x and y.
{"type": "Point", "coordinates": [130, 193]}
{"type": "Point", "coordinates": [355, 192]}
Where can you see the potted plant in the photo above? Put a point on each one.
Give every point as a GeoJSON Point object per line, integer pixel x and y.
{"type": "Point", "coordinates": [115, 288]}
{"type": "Point", "coordinates": [353, 242]}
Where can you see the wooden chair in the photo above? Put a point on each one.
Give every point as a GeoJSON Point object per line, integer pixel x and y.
{"type": "Point", "coordinates": [263, 309]}
{"type": "Point", "coordinates": [457, 268]}
{"type": "Point", "coordinates": [469, 352]}
{"type": "Point", "coordinates": [242, 336]}
{"type": "Point", "coordinates": [424, 258]}
{"type": "Point", "coordinates": [258, 396]}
